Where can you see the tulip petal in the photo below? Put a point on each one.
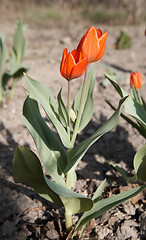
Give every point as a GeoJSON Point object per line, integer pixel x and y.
{"type": "Point", "coordinates": [102, 41]}
{"type": "Point", "coordinates": [63, 62]}
{"type": "Point", "coordinates": [69, 64]}
{"type": "Point", "coordinates": [139, 79]}
{"type": "Point", "coordinates": [79, 68]}
{"type": "Point", "coordinates": [76, 55]}
{"type": "Point", "coordinates": [136, 80]}
{"type": "Point", "coordinates": [99, 32]}
{"type": "Point", "coordinates": [99, 56]}
{"type": "Point", "coordinates": [89, 45]}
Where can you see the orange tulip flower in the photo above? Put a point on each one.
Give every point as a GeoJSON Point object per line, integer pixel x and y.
{"type": "Point", "coordinates": [136, 80]}
{"type": "Point", "coordinates": [92, 44]}
{"type": "Point", "coordinates": [72, 64]}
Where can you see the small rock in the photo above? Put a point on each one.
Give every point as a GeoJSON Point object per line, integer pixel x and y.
{"type": "Point", "coordinates": [113, 220]}
{"type": "Point", "coordinates": [51, 233]}
{"type": "Point", "coordinates": [8, 228]}
{"type": "Point", "coordinates": [127, 230]}
{"type": "Point", "coordinates": [65, 40]}
{"type": "Point", "coordinates": [103, 233]}
{"type": "Point", "coordinates": [129, 208]}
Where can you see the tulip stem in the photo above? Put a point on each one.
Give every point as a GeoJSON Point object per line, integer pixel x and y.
{"type": "Point", "coordinates": [68, 221]}
{"type": "Point", "coordinates": [68, 107]}
{"type": "Point", "coordinates": [81, 107]}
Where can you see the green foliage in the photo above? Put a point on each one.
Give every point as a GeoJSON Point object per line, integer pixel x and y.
{"type": "Point", "coordinates": [104, 16]}
{"type": "Point", "coordinates": [49, 148]}
{"type": "Point", "coordinates": [14, 59]}
{"type": "Point", "coordinates": [88, 101]}
{"type": "Point", "coordinates": [140, 163]}
{"type": "Point", "coordinates": [123, 41]}
{"type": "Point", "coordinates": [43, 95]}
{"type": "Point", "coordinates": [132, 107]}
{"type": "Point", "coordinates": [82, 148]}
{"type": "Point", "coordinates": [102, 206]}
{"type": "Point", "coordinates": [27, 169]}
{"type": "Point", "coordinates": [60, 157]}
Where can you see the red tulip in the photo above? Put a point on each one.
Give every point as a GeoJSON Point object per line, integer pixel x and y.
{"type": "Point", "coordinates": [136, 80]}
{"type": "Point", "coordinates": [73, 65]}
{"type": "Point", "coordinates": [92, 44]}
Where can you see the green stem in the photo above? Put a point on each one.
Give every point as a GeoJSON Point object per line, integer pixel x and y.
{"type": "Point", "coordinates": [139, 97]}
{"type": "Point", "coordinates": [15, 80]}
{"type": "Point", "coordinates": [68, 221]}
{"type": "Point", "coordinates": [68, 107]}
{"type": "Point", "coordinates": [81, 108]}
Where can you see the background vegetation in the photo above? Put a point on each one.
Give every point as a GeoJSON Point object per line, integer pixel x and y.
{"type": "Point", "coordinates": [61, 11]}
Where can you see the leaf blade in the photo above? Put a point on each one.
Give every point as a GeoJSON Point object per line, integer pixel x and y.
{"type": "Point", "coordinates": [50, 150]}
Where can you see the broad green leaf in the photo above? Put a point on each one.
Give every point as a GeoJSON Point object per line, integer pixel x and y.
{"type": "Point", "coordinates": [73, 202]}
{"type": "Point", "coordinates": [84, 146]}
{"type": "Point", "coordinates": [4, 55]}
{"type": "Point", "coordinates": [104, 205]}
{"type": "Point", "coordinates": [89, 105]}
{"type": "Point", "coordinates": [140, 163]}
{"type": "Point", "coordinates": [43, 95]}
{"type": "Point", "coordinates": [63, 115]}
{"type": "Point", "coordinates": [49, 148]}
{"type": "Point", "coordinates": [136, 110]}
{"type": "Point", "coordinates": [19, 42]}
{"type": "Point", "coordinates": [27, 169]}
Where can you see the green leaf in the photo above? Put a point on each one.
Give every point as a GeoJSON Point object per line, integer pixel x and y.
{"type": "Point", "coordinates": [19, 42]}
{"type": "Point", "coordinates": [95, 198]}
{"type": "Point", "coordinates": [71, 179]}
{"type": "Point", "coordinates": [27, 169]}
{"type": "Point", "coordinates": [84, 146]}
{"type": "Point", "coordinates": [4, 55]}
{"type": "Point", "coordinates": [63, 115]}
{"type": "Point", "coordinates": [113, 81]}
{"type": "Point", "coordinates": [16, 68]}
{"type": "Point", "coordinates": [104, 205]}
{"type": "Point", "coordinates": [136, 110]}
{"type": "Point", "coordinates": [99, 191]}
{"type": "Point", "coordinates": [50, 150]}
{"type": "Point", "coordinates": [131, 106]}
{"type": "Point", "coordinates": [72, 201]}
{"type": "Point", "coordinates": [122, 172]}
{"type": "Point", "coordinates": [140, 163]}
{"type": "Point", "coordinates": [43, 95]}
{"type": "Point", "coordinates": [89, 105]}
{"type": "Point", "coordinates": [130, 121]}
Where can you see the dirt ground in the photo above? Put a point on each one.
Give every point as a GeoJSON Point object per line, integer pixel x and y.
{"type": "Point", "coordinates": [25, 215]}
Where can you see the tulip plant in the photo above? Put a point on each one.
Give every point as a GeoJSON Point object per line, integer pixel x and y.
{"type": "Point", "coordinates": [11, 67]}
{"type": "Point", "coordinates": [52, 174]}
{"type": "Point", "coordinates": [135, 106]}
